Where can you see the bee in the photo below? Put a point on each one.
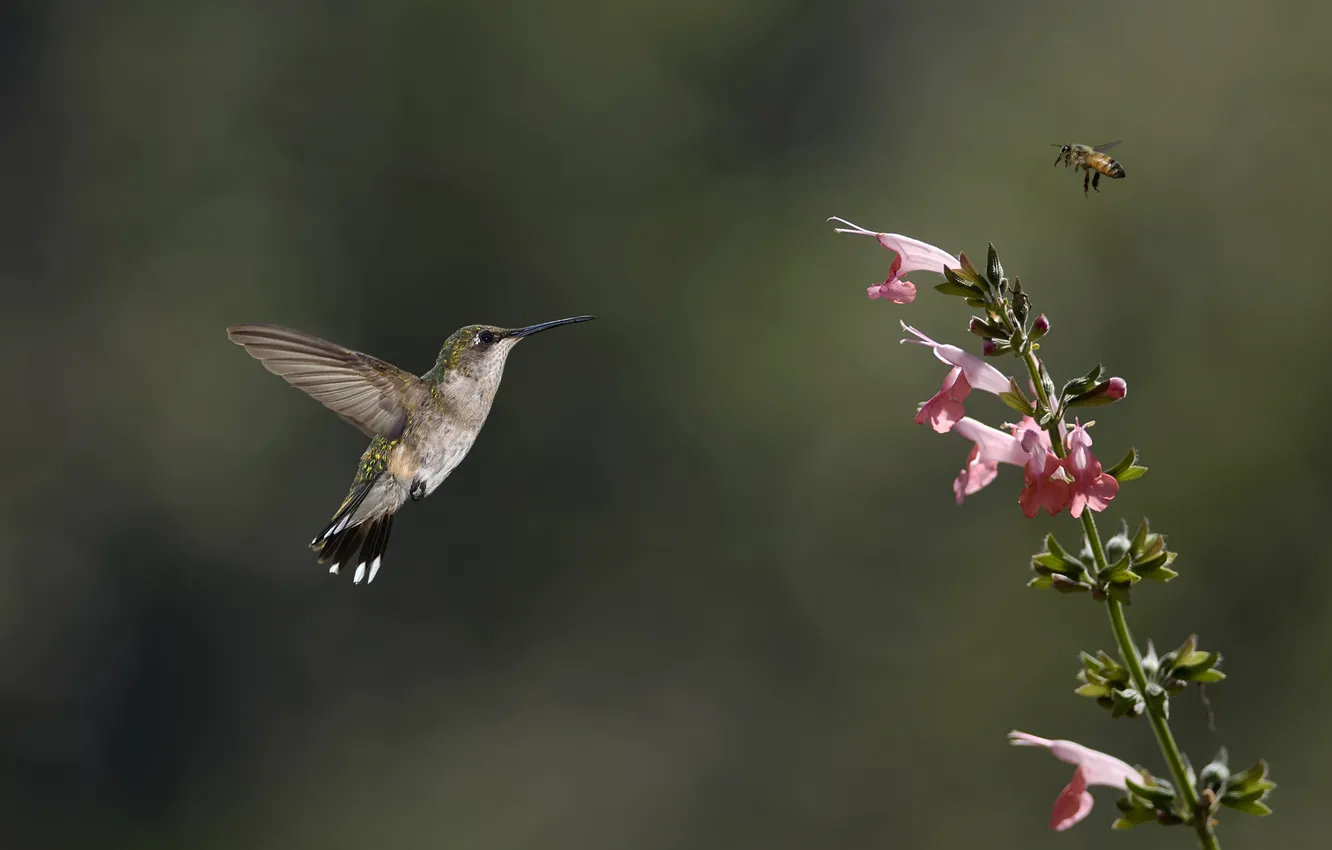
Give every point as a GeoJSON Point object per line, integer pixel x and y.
{"type": "Point", "coordinates": [1092, 160]}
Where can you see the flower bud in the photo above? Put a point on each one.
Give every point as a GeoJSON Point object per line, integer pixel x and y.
{"type": "Point", "coordinates": [995, 347]}
{"type": "Point", "coordinates": [985, 329]}
{"type": "Point", "coordinates": [1215, 775]}
{"type": "Point", "coordinates": [1118, 546]}
{"type": "Point", "coordinates": [1105, 392]}
{"type": "Point", "coordinates": [1150, 662]}
{"type": "Point", "coordinates": [1040, 327]}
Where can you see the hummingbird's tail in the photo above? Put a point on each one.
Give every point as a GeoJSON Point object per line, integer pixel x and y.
{"type": "Point", "coordinates": [344, 535]}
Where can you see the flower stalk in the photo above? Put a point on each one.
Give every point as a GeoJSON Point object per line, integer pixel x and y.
{"type": "Point", "coordinates": [1128, 650]}
{"type": "Point", "coordinates": [1061, 471]}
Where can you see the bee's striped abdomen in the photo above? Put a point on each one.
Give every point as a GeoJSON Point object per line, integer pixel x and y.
{"type": "Point", "coordinates": [1104, 164]}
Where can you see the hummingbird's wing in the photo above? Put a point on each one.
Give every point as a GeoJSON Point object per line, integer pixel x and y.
{"type": "Point", "coordinates": [367, 392]}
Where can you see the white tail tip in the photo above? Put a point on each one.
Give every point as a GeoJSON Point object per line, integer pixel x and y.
{"type": "Point", "coordinates": [374, 568]}
{"type": "Point", "coordinates": [360, 573]}
{"type": "Point", "coordinates": [333, 570]}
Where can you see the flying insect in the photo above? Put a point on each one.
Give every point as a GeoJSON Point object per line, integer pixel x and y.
{"type": "Point", "coordinates": [1092, 160]}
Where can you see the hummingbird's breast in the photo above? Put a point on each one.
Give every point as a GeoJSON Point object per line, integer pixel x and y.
{"type": "Point", "coordinates": [442, 431]}
{"type": "Point", "coordinates": [441, 457]}
{"type": "Point", "coordinates": [440, 443]}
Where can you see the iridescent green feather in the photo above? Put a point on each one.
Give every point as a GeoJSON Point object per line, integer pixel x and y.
{"type": "Point", "coordinates": [376, 458]}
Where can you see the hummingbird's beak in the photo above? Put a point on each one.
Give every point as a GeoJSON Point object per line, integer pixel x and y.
{"type": "Point", "coordinates": [519, 333]}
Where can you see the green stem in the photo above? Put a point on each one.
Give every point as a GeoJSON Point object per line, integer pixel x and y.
{"type": "Point", "coordinates": [1128, 650]}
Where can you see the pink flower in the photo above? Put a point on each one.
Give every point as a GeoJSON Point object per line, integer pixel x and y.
{"type": "Point", "coordinates": [974, 476]}
{"type": "Point", "coordinates": [894, 288]}
{"type": "Point", "coordinates": [1116, 388]}
{"type": "Point", "coordinates": [1028, 446]}
{"type": "Point", "coordinates": [1091, 488]}
{"type": "Point", "coordinates": [1092, 768]}
{"type": "Point", "coordinates": [980, 375]}
{"type": "Point", "coordinates": [1046, 481]}
{"type": "Point", "coordinates": [912, 255]}
{"type": "Point", "coordinates": [945, 408]}
{"type": "Point", "coordinates": [992, 447]}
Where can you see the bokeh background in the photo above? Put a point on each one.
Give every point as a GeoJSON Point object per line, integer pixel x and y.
{"type": "Point", "coordinates": [701, 583]}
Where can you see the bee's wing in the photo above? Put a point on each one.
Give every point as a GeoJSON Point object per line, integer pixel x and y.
{"type": "Point", "coordinates": [1107, 146]}
{"type": "Point", "coordinates": [367, 392]}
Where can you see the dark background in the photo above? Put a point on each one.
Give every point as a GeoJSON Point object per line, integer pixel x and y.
{"type": "Point", "coordinates": [701, 583]}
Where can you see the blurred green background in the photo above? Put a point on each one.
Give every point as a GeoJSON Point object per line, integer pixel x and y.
{"type": "Point", "coordinates": [701, 583]}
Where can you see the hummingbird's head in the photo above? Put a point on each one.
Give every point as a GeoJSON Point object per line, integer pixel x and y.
{"type": "Point", "coordinates": [479, 351]}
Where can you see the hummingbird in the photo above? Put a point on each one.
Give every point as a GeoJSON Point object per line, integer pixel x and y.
{"type": "Point", "coordinates": [420, 428]}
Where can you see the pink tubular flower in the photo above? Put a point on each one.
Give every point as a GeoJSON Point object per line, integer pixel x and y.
{"type": "Point", "coordinates": [1092, 768]}
{"type": "Point", "coordinates": [894, 288]}
{"type": "Point", "coordinates": [980, 374]}
{"type": "Point", "coordinates": [1091, 488]}
{"type": "Point", "coordinates": [1116, 388]}
{"type": "Point", "coordinates": [992, 447]}
{"type": "Point", "coordinates": [1046, 481]}
{"type": "Point", "coordinates": [1047, 484]}
{"type": "Point", "coordinates": [976, 475]}
{"type": "Point", "coordinates": [912, 255]}
{"type": "Point", "coordinates": [945, 408]}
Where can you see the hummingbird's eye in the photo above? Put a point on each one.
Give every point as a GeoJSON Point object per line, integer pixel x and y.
{"type": "Point", "coordinates": [485, 337]}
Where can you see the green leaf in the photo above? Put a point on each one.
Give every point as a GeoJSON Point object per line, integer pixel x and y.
{"type": "Point", "coordinates": [1196, 658]}
{"type": "Point", "coordinates": [1052, 544]}
{"type": "Point", "coordinates": [1152, 546]}
{"type": "Point", "coordinates": [1206, 677]}
{"type": "Point", "coordinates": [1017, 399]}
{"type": "Point", "coordinates": [1124, 463]}
{"type": "Point", "coordinates": [958, 288]}
{"type": "Point", "coordinates": [1119, 572]}
{"type": "Point", "coordinates": [986, 330]}
{"type": "Point", "coordinates": [1017, 403]}
{"type": "Point", "coordinates": [968, 271]}
{"type": "Point", "coordinates": [1252, 807]}
{"type": "Point", "coordinates": [1252, 791]}
{"type": "Point", "coordinates": [1187, 648]}
{"type": "Point", "coordinates": [1140, 539]}
{"type": "Point", "coordinates": [1195, 661]}
{"type": "Point", "coordinates": [1090, 400]}
{"type": "Point", "coordinates": [1126, 701]}
{"type": "Point", "coordinates": [1241, 799]}
{"type": "Point", "coordinates": [1078, 386]}
{"type": "Point", "coordinates": [1041, 583]}
{"type": "Point", "coordinates": [1159, 796]}
{"type": "Point", "coordinates": [1049, 561]}
{"type": "Point", "coordinates": [1246, 780]}
{"type": "Point", "coordinates": [1094, 691]}
{"type": "Point", "coordinates": [1131, 473]}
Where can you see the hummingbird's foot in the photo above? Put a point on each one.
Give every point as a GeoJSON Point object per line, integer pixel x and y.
{"type": "Point", "coordinates": [418, 490]}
